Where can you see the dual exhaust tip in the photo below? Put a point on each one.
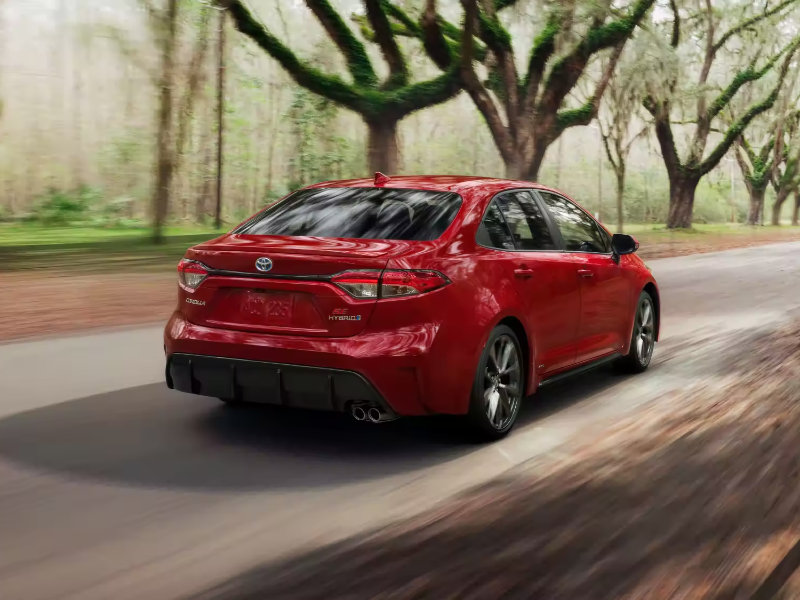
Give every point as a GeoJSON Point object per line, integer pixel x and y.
{"type": "Point", "coordinates": [371, 413]}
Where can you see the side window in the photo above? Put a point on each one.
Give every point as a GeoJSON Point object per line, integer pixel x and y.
{"type": "Point", "coordinates": [526, 221]}
{"type": "Point", "coordinates": [493, 232]}
{"type": "Point", "coordinates": [579, 230]}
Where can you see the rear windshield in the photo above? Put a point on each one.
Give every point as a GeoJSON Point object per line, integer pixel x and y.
{"type": "Point", "coordinates": [358, 213]}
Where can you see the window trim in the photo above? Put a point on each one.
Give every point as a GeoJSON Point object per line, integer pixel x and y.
{"type": "Point", "coordinates": [554, 231]}
{"type": "Point", "coordinates": [600, 229]}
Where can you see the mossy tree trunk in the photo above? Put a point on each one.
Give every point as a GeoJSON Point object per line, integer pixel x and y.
{"type": "Point", "coordinates": [682, 188]}
{"type": "Point", "coordinates": [757, 194]}
{"type": "Point", "coordinates": [382, 154]}
{"type": "Point", "coordinates": [796, 211]}
{"type": "Point", "coordinates": [780, 198]}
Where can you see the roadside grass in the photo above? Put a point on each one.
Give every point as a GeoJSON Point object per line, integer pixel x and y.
{"type": "Point", "coordinates": [31, 247]}
{"type": "Point", "coordinates": [660, 229]}
{"type": "Point", "coordinates": [38, 235]}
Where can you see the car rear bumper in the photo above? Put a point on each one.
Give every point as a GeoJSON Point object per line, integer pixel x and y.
{"type": "Point", "coordinates": [387, 368]}
{"type": "Point", "coordinates": [297, 386]}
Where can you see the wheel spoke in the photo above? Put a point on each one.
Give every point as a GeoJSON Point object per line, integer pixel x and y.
{"type": "Point", "coordinates": [646, 314]}
{"type": "Point", "coordinates": [492, 400]}
{"type": "Point", "coordinates": [506, 351]}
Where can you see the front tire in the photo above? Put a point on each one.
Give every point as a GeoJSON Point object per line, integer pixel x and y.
{"type": "Point", "coordinates": [643, 337]}
{"type": "Point", "coordinates": [498, 386]}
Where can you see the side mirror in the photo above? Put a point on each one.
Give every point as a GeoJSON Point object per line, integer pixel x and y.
{"type": "Point", "coordinates": [623, 244]}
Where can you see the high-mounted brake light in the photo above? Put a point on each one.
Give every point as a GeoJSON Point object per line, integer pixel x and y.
{"type": "Point", "coordinates": [191, 274]}
{"type": "Point", "coordinates": [393, 283]}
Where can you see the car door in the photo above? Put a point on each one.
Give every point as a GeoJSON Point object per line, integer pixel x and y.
{"type": "Point", "coordinates": [605, 299]}
{"type": "Point", "coordinates": [543, 276]}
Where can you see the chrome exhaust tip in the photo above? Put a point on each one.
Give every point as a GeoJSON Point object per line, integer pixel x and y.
{"type": "Point", "coordinates": [358, 413]}
{"type": "Point", "coordinates": [374, 415]}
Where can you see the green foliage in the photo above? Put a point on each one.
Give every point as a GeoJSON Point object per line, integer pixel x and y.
{"type": "Point", "coordinates": [83, 206]}
{"type": "Point", "coordinates": [318, 153]}
{"type": "Point", "coordinates": [59, 207]}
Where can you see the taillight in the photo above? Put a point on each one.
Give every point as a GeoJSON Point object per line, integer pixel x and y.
{"type": "Point", "coordinates": [191, 274]}
{"type": "Point", "coordinates": [393, 283]}
{"type": "Point", "coordinates": [410, 283]}
{"type": "Point", "coordinates": [359, 284]}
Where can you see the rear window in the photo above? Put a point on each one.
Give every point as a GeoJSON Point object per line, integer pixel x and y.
{"type": "Point", "coordinates": [358, 213]}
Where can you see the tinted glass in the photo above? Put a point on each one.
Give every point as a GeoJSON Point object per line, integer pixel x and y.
{"type": "Point", "coordinates": [579, 230]}
{"type": "Point", "coordinates": [526, 221]}
{"type": "Point", "coordinates": [493, 232]}
{"type": "Point", "coordinates": [358, 213]}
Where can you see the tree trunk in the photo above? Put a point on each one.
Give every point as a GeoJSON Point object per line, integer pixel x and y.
{"type": "Point", "coordinates": [620, 191]}
{"type": "Point", "coordinates": [681, 201]}
{"type": "Point", "coordinates": [220, 117]}
{"type": "Point", "coordinates": [382, 146]}
{"type": "Point", "coordinates": [796, 213]}
{"type": "Point", "coordinates": [780, 198]}
{"type": "Point", "coordinates": [534, 166]}
{"type": "Point", "coordinates": [165, 147]}
{"type": "Point", "coordinates": [756, 203]}
{"type": "Point", "coordinates": [515, 168]}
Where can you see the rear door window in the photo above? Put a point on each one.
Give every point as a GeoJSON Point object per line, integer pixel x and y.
{"type": "Point", "coordinates": [493, 231]}
{"type": "Point", "coordinates": [528, 225]}
{"type": "Point", "coordinates": [580, 231]}
{"type": "Point", "coordinates": [358, 213]}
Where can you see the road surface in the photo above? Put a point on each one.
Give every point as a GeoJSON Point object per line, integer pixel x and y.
{"type": "Point", "coordinates": [112, 486]}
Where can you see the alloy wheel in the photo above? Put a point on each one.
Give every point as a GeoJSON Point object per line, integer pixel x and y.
{"type": "Point", "coordinates": [645, 337]}
{"type": "Point", "coordinates": [502, 382]}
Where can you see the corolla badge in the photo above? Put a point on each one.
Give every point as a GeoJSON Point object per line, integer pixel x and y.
{"type": "Point", "coordinates": [263, 264]}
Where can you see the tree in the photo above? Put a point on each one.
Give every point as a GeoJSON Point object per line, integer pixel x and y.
{"type": "Point", "coordinates": [757, 169]}
{"type": "Point", "coordinates": [382, 104]}
{"type": "Point", "coordinates": [666, 102]}
{"type": "Point", "coordinates": [172, 118]}
{"type": "Point", "coordinates": [796, 211]}
{"type": "Point", "coordinates": [785, 176]}
{"type": "Point", "coordinates": [526, 114]}
{"type": "Point", "coordinates": [165, 151]}
{"type": "Point", "coordinates": [622, 100]}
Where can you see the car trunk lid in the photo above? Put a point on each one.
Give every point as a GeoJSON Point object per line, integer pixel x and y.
{"type": "Point", "coordinates": [293, 295]}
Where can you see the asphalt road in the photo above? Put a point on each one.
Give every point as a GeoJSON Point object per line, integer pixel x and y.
{"type": "Point", "coordinates": [112, 486]}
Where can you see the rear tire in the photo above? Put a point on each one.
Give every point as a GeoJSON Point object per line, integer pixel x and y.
{"type": "Point", "coordinates": [643, 337]}
{"type": "Point", "coordinates": [498, 386]}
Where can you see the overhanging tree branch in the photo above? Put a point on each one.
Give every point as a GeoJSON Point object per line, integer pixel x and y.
{"type": "Point", "coordinates": [329, 86]}
{"type": "Point", "coordinates": [736, 129]}
{"type": "Point", "coordinates": [383, 36]}
{"type": "Point", "coordinates": [353, 50]}
{"type": "Point", "coordinates": [747, 23]}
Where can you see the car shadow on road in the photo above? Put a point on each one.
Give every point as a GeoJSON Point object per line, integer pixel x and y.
{"type": "Point", "coordinates": [153, 437]}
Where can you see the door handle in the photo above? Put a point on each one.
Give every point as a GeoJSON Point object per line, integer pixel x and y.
{"type": "Point", "coordinates": [586, 273]}
{"type": "Point", "coordinates": [523, 273]}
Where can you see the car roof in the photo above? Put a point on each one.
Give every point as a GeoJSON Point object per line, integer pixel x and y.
{"type": "Point", "coordinates": [439, 183]}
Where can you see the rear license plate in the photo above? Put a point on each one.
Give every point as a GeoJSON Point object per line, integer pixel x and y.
{"type": "Point", "coordinates": [270, 308]}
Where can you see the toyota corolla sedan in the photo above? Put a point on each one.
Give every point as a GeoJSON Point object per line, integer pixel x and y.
{"type": "Point", "coordinates": [401, 296]}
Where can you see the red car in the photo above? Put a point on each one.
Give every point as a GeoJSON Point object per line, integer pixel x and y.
{"type": "Point", "coordinates": [406, 296]}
